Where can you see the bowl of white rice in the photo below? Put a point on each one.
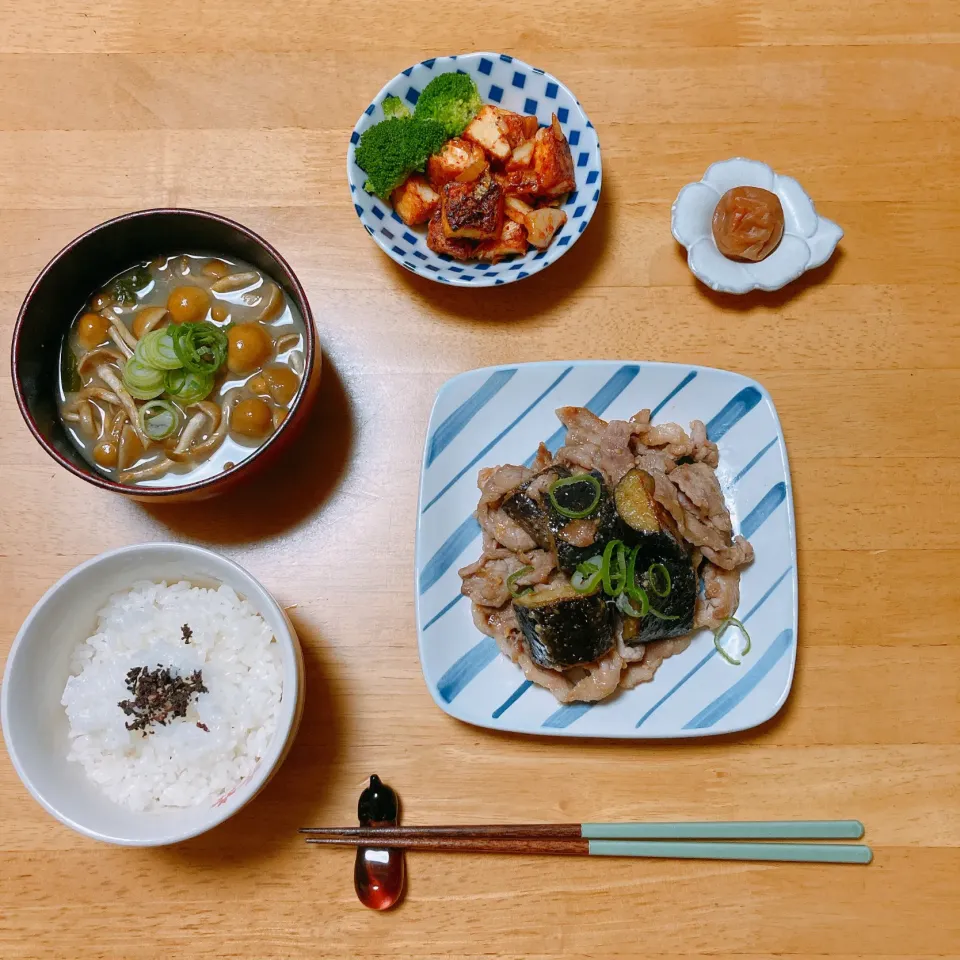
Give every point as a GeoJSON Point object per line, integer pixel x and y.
{"type": "Point", "coordinates": [151, 693]}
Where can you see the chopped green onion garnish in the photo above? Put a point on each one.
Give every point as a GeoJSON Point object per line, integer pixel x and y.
{"type": "Point", "coordinates": [201, 347]}
{"type": "Point", "coordinates": [719, 632]}
{"type": "Point", "coordinates": [159, 419]}
{"type": "Point", "coordinates": [511, 580]}
{"type": "Point", "coordinates": [614, 581]}
{"type": "Point", "coordinates": [655, 570]}
{"type": "Point", "coordinates": [661, 616]}
{"type": "Point", "coordinates": [187, 386]}
{"type": "Point", "coordinates": [155, 349]}
{"type": "Point", "coordinates": [586, 578]}
{"type": "Point", "coordinates": [627, 608]}
{"type": "Point", "coordinates": [142, 381]}
{"type": "Point", "coordinates": [568, 481]}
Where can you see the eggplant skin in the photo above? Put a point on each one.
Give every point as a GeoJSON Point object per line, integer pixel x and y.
{"type": "Point", "coordinates": [645, 524]}
{"type": "Point", "coordinates": [569, 556]}
{"type": "Point", "coordinates": [680, 602]}
{"type": "Point", "coordinates": [526, 511]}
{"type": "Point", "coordinates": [563, 628]}
{"type": "Point", "coordinates": [531, 516]}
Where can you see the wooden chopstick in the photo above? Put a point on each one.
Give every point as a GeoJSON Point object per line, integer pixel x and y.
{"type": "Point", "coordinates": [660, 849]}
{"type": "Point", "coordinates": [730, 830]}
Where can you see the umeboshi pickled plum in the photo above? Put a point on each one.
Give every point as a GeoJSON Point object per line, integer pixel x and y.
{"type": "Point", "coordinates": [748, 223]}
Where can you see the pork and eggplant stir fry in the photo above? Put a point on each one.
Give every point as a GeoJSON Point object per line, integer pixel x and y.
{"type": "Point", "coordinates": [600, 561]}
{"type": "Point", "coordinates": [488, 182]}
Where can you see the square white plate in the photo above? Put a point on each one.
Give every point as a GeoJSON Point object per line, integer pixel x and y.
{"type": "Point", "coordinates": [499, 415]}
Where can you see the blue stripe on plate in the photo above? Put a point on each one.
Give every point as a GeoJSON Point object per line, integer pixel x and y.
{"type": "Point", "coordinates": [726, 702]}
{"type": "Point", "coordinates": [597, 404]}
{"type": "Point", "coordinates": [713, 652]}
{"type": "Point", "coordinates": [496, 440]}
{"type": "Point", "coordinates": [451, 548]}
{"type": "Point", "coordinates": [771, 500]}
{"type": "Point", "coordinates": [566, 715]}
{"type": "Point", "coordinates": [466, 668]}
{"type": "Point", "coordinates": [445, 610]}
{"type": "Point", "coordinates": [445, 434]}
{"type": "Point", "coordinates": [733, 412]}
{"type": "Point", "coordinates": [513, 698]}
{"type": "Point", "coordinates": [754, 461]}
{"type": "Point", "coordinates": [688, 379]}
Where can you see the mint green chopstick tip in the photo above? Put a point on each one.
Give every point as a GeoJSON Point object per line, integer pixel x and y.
{"type": "Point", "coordinates": [728, 830]}
{"type": "Point", "coordinates": [768, 852]}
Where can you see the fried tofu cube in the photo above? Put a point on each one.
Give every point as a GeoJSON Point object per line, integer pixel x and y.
{"type": "Point", "coordinates": [512, 240]}
{"type": "Point", "coordinates": [487, 130]}
{"type": "Point", "coordinates": [520, 183]}
{"type": "Point", "coordinates": [543, 224]}
{"type": "Point", "coordinates": [516, 127]}
{"type": "Point", "coordinates": [459, 160]}
{"type": "Point", "coordinates": [552, 161]}
{"type": "Point", "coordinates": [517, 210]}
{"type": "Point", "coordinates": [473, 211]}
{"type": "Point", "coordinates": [415, 201]}
{"type": "Point", "coordinates": [521, 158]}
{"type": "Point", "coordinates": [439, 242]}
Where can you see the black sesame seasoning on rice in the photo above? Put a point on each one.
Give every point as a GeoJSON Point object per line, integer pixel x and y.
{"type": "Point", "coordinates": [158, 696]}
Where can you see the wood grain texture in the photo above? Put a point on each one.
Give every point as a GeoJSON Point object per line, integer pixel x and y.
{"type": "Point", "coordinates": [245, 109]}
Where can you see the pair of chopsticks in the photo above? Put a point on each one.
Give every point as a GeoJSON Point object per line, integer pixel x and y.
{"type": "Point", "coordinates": [743, 840]}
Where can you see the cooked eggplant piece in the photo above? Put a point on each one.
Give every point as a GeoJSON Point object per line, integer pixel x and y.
{"type": "Point", "coordinates": [563, 628]}
{"type": "Point", "coordinates": [636, 506]}
{"type": "Point", "coordinates": [577, 540]}
{"type": "Point", "coordinates": [532, 514]}
{"type": "Point", "coordinates": [645, 524]}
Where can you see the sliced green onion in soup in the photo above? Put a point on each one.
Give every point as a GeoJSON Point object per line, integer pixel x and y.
{"type": "Point", "coordinates": [200, 347]}
{"type": "Point", "coordinates": [187, 386]}
{"type": "Point", "coordinates": [155, 349]}
{"type": "Point", "coordinates": [142, 381]}
{"type": "Point", "coordinates": [159, 419]}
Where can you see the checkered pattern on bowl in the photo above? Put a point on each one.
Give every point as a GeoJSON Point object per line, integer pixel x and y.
{"type": "Point", "coordinates": [513, 85]}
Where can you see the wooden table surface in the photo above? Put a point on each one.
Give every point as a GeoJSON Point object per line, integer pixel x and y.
{"type": "Point", "coordinates": [245, 109]}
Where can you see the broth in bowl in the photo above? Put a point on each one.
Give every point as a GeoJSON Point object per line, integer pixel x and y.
{"type": "Point", "coordinates": [179, 369]}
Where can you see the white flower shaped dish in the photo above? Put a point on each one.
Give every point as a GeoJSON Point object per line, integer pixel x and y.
{"type": "Point", "coordinates": [808, 239]}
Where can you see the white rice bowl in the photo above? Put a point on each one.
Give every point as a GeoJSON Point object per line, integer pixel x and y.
{"type": "Point", "coordinates": [180, 764]}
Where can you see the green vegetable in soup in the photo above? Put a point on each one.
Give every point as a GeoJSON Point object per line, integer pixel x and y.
{"type": "Point", "coordinates": [394, 107]}
{"type": "Point", "coordinates": [393, 149]}
{"type": "Point", "coordinates": [124, 289]}
{"type": "Point", "coordinates": [69, 375]}
{"type": "Point", "coordinates": [452, 100]}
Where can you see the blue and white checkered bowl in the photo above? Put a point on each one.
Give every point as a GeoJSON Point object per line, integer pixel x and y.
{"type": "Point", "coordinates": [514, 85]}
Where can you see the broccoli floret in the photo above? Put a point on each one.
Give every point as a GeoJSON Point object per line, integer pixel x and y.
{"type": "Point", "coordinates": [394, 107]}
{"type": "Point", "coordinates": [393, 149]}
{"type": "Point", "coordinates": [451, 99]}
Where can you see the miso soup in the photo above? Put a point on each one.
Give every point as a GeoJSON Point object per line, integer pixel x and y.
{"type": "Point", "coordinates": [179, 369]}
